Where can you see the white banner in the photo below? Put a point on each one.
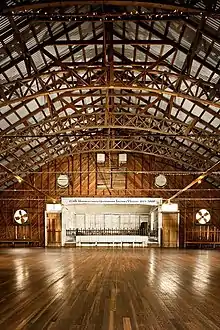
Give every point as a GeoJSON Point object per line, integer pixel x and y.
{"type": "Point", "coordinates": [53, 208]}
{"type": "Point", "coordinates": [111, 200]}
{"type": "Point", "coordinates": [169, 208]}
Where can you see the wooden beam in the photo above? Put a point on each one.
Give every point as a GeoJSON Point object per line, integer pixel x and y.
{"type": "Point", "coordinates": [108, 42]}
{"type": "Point", "coordinates": [37, 48]}
{"type": "Point", "coordinates": [84, 65]}
{"type": "Point", "coordinates": [191, 126]}
{"type": "Point", "coordinates": [162, 58]}
{"type": "Point", "coordinates": [178, 46]}
{"type": "Point", "coordinates": [21, 180]}
{"type": "Point", "coordinates": [197, 180]}
{"type": "Point", "coordinates": [169, 107]}
{"type": "Point", "coordinates": [118, 87]}
{"type": "Point", "coordinates": [63, 4]}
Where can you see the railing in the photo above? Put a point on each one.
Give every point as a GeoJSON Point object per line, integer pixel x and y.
{"type": "Point", "coordinates": [109, 232]}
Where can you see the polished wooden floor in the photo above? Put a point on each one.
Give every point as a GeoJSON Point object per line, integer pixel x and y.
{"type": "Point", "coordinates": [109, 289]}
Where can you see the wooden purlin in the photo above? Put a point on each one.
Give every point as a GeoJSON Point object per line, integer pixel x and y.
{"type": "Point", "coordinates": [136, 4]}
{"type": "Point", "coordinates": [38, 47]}
{"type": "Point", "coordinates": [124, 145]}
{"type": "Point", "coordinates": [108, 42]}
{"type": "Point", "coordinates": [212, 142]}
{"type": "Point", "coordinates": [177, 46]}
{"type": "Point", "coordinates": [175, 104]}
{"type": "Point", "coordinates": [40, 109]}
{"type": "Point", "coordinates": [158, 82]}
{"type": "Point", "coordinates": [139, 123]}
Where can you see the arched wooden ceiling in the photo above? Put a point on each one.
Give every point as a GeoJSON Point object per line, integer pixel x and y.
{"type": "Point", "coordinates": [143, 75]}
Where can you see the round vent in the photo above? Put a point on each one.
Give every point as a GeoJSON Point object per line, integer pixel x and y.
{"type": "Point", "coordinates": [160, 181]}
{"type": "Point", "coordinates": [63, 181]}
{"type": "Point", "coordinates": [21, 217]}
{"type": "Point", "coordinates": [203, 216]}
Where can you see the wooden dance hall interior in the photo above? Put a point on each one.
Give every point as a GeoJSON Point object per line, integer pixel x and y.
{"type": "Point", "coordinates": [109, 165]}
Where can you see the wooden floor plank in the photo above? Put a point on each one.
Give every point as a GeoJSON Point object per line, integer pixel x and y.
{"type": "Point", "coordinates": [109, 289]}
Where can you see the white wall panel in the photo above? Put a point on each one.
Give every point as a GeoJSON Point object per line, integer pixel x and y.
{"type": "Point", "coordinates": [125, 221]}
{"type": "Point", "coordinates": [104, 216]}
{"type": "Point", "coordinates": [80, 221]}
{"type": "Point", "coordinates": [100, 221]}
{"type": "Point", "coordinates": [91, 221]}
{"type": "Point", "coordinates": [115, 221]}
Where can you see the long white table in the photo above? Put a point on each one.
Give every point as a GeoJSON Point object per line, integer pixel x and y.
{"type": "Point", "coordinates": [106, 240]}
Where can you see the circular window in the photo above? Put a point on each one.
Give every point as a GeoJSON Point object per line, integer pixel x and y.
{"type": "Point", "coordinates": [203, 216]}
{"type": "Point", "coordinates": [21, 217]}
{"type": "Point", "coordinates": [63, 181]}
{"type": "Point", "coordinates": [160, 181]}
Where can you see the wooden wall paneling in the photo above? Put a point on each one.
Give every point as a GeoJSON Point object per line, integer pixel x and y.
{"type": "Point", "coordinates": [68, 174]}
{"type": "Point", "coordinates": [76, 183]}
{"type": "Point", "coordinates": [88, 175]}
{"type": "Point", "coordinates": [131, 175]}
{"type": "Point", "coordinates": [44, 181]}
{"type": "Point", "coordinates": [53, 181]}
{"type": "Point", "coordinates": [5, 229]}
{"type": "Point", "coordinates": [92, 177]}
{"type": "Point", "coordinates": [85, 184]}
{"type": "Point", "coordinates": [137, 175]}
{"type": "Point", "coordinates": [142, 174]}
{"type": "Point", "coordinates": [80, 175]}
{"type": "Point", "coordinates": [147, 179]}
{"type": "Point", "coordinates": [50, 179]}
{"type": "Point", "coordinates": [97, 192]}
{"type": "Point", "coordinates": [151, 167]}
{"type": "Point", "coordinates": [71, 175]}
{"type": "Point", "coordinates": [79, 188]}
{"type": "Point", "coordinates": [126, 175]}
{"type": "Point", "coordinates": [111, 165]}
{"type": "Point", "coordinates": [84, 179]}
{"type": "Point", "coordinates": [83, 176]}
{"type": "Point", "coordinates": [47, 178]}
{"type": "Point", "coordinates": [119, 176]}
{"type": "Point", "coordinates": [37, 179]}
{"type": "Point", "coordinates": [33, 220]}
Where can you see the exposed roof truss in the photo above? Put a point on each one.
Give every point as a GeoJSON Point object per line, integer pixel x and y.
{"type": "Point", "coordinates": [152, 85]}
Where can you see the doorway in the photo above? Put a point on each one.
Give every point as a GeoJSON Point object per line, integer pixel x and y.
{"type": "Point", "coordinates": [170, 230]}
{"type": "Point", "coordinates": [53, 229]}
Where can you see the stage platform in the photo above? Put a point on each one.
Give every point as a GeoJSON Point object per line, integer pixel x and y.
{"type": "Point", "coordinates": [110, 240]}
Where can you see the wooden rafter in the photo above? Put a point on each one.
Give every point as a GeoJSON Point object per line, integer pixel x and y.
{"type": "Point", "coordinates": [100, 144]}
{"type": "Point", "coordinates": [115, 79]}
{"type": "Point", "coordinates": [126, 3]}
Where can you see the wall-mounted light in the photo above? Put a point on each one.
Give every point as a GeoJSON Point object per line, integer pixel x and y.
{"type": "Point", "coordinates": [18, 178]}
